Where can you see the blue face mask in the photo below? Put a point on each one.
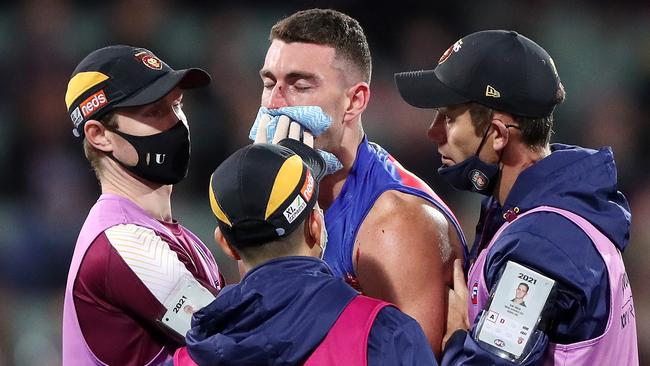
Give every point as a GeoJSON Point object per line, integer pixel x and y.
{"type": "Point", "coordinates": [473, 174]}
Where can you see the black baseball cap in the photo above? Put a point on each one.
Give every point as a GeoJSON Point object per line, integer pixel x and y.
{"type": "Point", "coordinates": [122, 76]}
{"type": "Point", "coordinates": [263, 192]}
{"type": "Point", "coordinates": [497, 68]}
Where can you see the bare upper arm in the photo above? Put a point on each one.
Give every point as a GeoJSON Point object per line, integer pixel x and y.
{"type": "Point", "coordinates": [405, 256]}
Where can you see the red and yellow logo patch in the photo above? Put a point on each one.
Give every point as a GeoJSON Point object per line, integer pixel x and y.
{"type": "Point", "coordinates": [149, 60]}
{"type": "Point", "coordinates": [453, 48]}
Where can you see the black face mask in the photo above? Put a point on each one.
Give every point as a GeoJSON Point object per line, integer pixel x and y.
{"type": "Point", "coordinates": [473, 174]}
{"type": "Point", "coordinates": [162, 158]}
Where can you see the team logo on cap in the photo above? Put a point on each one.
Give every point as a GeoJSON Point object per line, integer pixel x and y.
{"type": "Point", "coordinates": [295, 209]}
{"type": "Point", "coordinates": [479, 179]}
{"type": "Point", "coordinates": [453, 48]}
{"type": "Point", "coordinates": [149, 60]}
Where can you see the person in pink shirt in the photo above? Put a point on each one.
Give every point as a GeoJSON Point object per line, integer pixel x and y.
{"type": "Point", "coordinates": [134, 265]}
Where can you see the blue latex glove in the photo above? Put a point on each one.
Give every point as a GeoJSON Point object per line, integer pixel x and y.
{"type": "Point", "coordinates": [311, 118]}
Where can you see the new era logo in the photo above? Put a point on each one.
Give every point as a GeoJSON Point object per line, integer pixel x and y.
{"type": "Point", "coordinates": [491, 92]}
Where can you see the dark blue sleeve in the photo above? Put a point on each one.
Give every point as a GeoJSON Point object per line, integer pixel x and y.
{"type": "Point", "coordinates": [396, 339]}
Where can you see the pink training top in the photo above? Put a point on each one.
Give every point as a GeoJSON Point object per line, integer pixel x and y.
{"type": "Point", "coordinates": [618, 343]}
{"type": "Point", "coordinates": [345, 344]}
{"type": "Point", "coordinates": [121, 242]}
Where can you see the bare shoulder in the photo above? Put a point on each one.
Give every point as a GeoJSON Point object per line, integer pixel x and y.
{"type": "Point", "coordinates": [399, 219]}
{"type": "Point", "coordinates": [405, 231]}
{"type": "Point", "coordinates": [403, 254]}
{"type": "Point", "coordinates": [394, 205]}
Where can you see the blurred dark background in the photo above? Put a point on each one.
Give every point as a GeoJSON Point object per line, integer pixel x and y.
{"type": "Point", "coordinates": [601, 49]}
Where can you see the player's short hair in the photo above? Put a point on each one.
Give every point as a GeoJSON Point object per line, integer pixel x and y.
{"type": "Point", "coordinates": [524, 284]}
{"type": "Point", "coordinates": [331, 28]}
{"type": "Point", "coordinates": [274, 248]}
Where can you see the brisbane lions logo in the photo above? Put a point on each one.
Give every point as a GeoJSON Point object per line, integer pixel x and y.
{"type": "Point", "coordinates": [453, 48]}
{"type": "Point", "coordinates": [149, 60]}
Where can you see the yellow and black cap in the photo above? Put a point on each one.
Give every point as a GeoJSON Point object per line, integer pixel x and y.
{"type": "Point", "coordinates": [497, 68]}
{"type": "Point", "coordinates": [263, 192]}
{"type": "Point", "coordinates": [122, 76]}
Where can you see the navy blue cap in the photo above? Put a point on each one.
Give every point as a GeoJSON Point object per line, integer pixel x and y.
{"type": "Point", "coordinates": [497, 68]}
{"type": "Point", "coordinates": [263, 192]}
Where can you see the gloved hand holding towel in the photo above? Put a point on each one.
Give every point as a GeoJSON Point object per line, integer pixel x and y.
{"type": "Point", "coordinates": [311, 118]}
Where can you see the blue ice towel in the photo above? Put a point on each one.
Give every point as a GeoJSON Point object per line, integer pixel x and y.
{"type": "Point", "coordinates": [311, 118]}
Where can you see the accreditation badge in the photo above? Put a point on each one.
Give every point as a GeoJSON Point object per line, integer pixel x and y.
{"type": "Point", "coordinates": [186, 298]}
{"type": "Point", "coordinates": [514, 311]}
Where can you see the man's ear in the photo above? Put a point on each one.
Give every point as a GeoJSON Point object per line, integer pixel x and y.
{"type": "Point", "coordinates": [314, 227]}
{"type": "Point", "coordinates": [500, 131]}
{"type": "Point", "coordinates": [359, 95]}
{"type": "Point", "coordinates": [224, 245]}
{"type": "Point", "coordinates": [311, 229]}
{"type": "Point", "coordinates": [95, 134]}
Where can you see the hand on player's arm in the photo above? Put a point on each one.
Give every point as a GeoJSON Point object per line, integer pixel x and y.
{"type": "Point", "coordinates": [457, 317]}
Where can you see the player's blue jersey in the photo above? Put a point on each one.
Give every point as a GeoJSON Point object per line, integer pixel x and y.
{"type": "Point", "coordinates": [374, 172]}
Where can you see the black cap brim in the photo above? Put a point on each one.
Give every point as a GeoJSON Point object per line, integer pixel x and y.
{"type": "Point", "coordinates": [423, 89]}
{"type": "Point", "coordinates": [310, 156]}
{"type": "Point", "coordinates": [185, 79]}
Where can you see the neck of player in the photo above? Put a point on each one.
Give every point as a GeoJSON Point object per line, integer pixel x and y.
{"type": "Point", "coordinates": [331, 185]}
